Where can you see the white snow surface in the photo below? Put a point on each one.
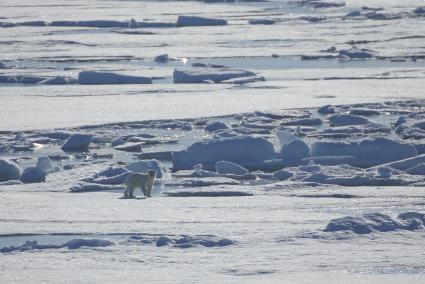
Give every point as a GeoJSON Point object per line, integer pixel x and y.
{"type": "Point", "coordinates": [278, 235]}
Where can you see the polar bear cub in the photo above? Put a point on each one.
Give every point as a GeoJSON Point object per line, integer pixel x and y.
{"type": "Point", "coordinates": [138, 180]}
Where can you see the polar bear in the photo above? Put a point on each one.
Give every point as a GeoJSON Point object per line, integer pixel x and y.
{"type": "Point", "coordinates": [138, 180]}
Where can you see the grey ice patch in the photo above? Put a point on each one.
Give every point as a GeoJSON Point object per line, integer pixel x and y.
{"type": "Point", "coordinates": [377, 222]}
{"type": "Point", "coordinates": [72, 244]}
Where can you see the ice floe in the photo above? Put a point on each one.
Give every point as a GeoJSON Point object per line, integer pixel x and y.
{"type": "Point", "coordinates": [3, 65]}
{"type": "Point", "coordinates": [294, 151]}
{"type": "Point", "coordinates": [187, 241]}
{"type": "Point", "coordinates": [33, 175]}
{"type": "Point", "coordinates": [203, 74]}
{"type": "Point", "coordinates": [282, 175]}
{"type": "Point", "coordinates": [226, 167]}
{"type": "Point", "coordinates": [377, 222]}
{"type": "Point", "coordinates": [101, 78]}
{"type": "Point", "coordinates": [261, 22]}
{"type": "Point", "coordinates": [237, 150]}
{"type": "Point", "coordinates": [187, 21]}
{"type": "Point", "coordinates": [364, 153]}
{"type": "Point", "coordinates": [356, 53]}
{"type": "Point", "coordinates": [72, 244]}
{"type": "Point", "coordinates": [347, 119]}
{"type": "Point", "coordinates": [129, 146]}
{"type": "Point", "coordinates": [215, 125]}
{"type": "Point", "coordinates": [58, 80]}
{"type": "Point", "coordinates": [9, 170]}
{"type": "Point", "coordinates": [77, 143]}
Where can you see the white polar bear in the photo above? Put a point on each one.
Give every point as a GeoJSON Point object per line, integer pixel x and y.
{"type": "Point", "coordinates": [138, 180]}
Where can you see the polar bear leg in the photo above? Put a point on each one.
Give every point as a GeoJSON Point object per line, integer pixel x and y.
{"type": "Point", "coordinates": [131, 191]}
{"type": "Point", "coordinates": [144, 190]}
{"type": "Point", "coordinates": [149, 190]}
{"type": "Point", "coordinates": [128, 193]}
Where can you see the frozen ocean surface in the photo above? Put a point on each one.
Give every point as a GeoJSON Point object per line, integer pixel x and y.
{"type": "Point", "coordinates": [286, 54]}
{"type": "Point", "coordinates": [297, 156]}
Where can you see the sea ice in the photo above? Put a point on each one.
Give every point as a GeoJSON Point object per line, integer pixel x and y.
{"type": "Point", "coordinates": [383, 150]}
{"type": "Point", "coordinates": [91, 187]}
{"type": "Point", "coordinates": [77, 143]}
{"type": "Point", "coordinates": [334, 148]}
{"type": "Point", "coordinates": [244, 80]}
{"type": "Point", "coordinates": [129, 147]}
{"type": "Point", "coordinates": [347, 119]}
{"type": "Point", "coordinates": [201, 182]}
{"type": "Point", "coordinates": [102, 78]}
{"type": "Point", "coordinates": [215, 125]}
{"type": "Point", "coordinates": [285, 136]}
{"type": "Point", "coordinates": [417, 170]}
{"type": "Point", "coordinates": [110, 180]}
{"type": "Point", "coordinates": [261, 22]}
{"type": "Point", "coordinates": [72, 244]}
{"type": "Point", "coordinates": [57, 135]}
{"type": "Point", "coordinates": [408, 163]}
{"type": "Point", "coordinates": [364, 112]}
{"type": "Point", "coordinates": [225, 167]}
{"type": "Point", "coordinates": [294, 151]}
{"type": "Point", "coordinates": [202, 74]}
{"type": "Point", "coordinates": [33, 175]}
{"type": "Point", "coordinates": [58, 80]}
{"type": "Point", "coordinates": [31, 79]}
{"type": "Point", "coordinates": [384, 171]}
{"type": "Point", "coordinates": [146, 165]}
{"type": "Point", "coordinates": [353, 14]}
{"type": "Point", "coordinates": [91, 24]}
{"type": "Point", "coordinates": [303, 122]}
{"type": "Point", "coordinates": [313, 19]}
{"type": "Point", "coordinates": [282, 175]}
{"type": "Point", "coordinates": [327, 109]}
{"type": "Point", "coordinates": [356, 53]}
{"type": "Point", "coordinates": [9, 170]}
{"type": "Point", "coordinates": [366, 153]}
{"type": "Point", "coordinates": [78, 243]}
{"type": "Point", "coordinates": [208, 192]}
{"type": "Point", "coordinates": [187, 21]}
{"type": "Point", "coordinates": [163, 58]}
{"type": "Point", "coordinates": [236, 150]}
{"type": "Point", "coordinates": [377, 222]}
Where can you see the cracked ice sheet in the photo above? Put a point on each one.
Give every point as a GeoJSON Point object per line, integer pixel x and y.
{"type": "Point", "coordinates": [54, 106]}
{"type": "Point", "coordinates": [295, 37]}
